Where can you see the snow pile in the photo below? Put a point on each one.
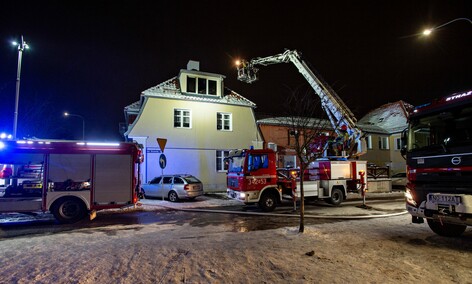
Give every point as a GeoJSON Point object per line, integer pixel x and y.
{"type": "Point", "coordinates": [390, 250]}
{"type": "Point", "coordinates": [383, 250]}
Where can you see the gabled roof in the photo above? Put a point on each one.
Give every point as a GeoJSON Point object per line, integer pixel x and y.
{"type": "Point", "coordinates": [388, 119]}
{"type": "Point", "coordinates": [170, 89]}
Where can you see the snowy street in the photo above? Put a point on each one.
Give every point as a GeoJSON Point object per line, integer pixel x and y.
{"type": "Point", "coordinates": [382, 250]}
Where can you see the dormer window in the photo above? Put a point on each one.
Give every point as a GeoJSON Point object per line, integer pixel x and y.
{"type": "Point", "coordinates": [201, 86]}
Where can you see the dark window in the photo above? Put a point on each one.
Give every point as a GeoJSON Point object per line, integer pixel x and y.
{"type": "Point", "coordinates": [155, 180]}
{"type": "Point", "coordinates": [211, 87]}
{"type": "Point", "coordinates": [182, 118]}
{"type": "Point", "coordinates": [167, 180]}
{"type": "Point", "coordinates": [178, 180]}
{"type": "Point", "coordinates": [191, 85]}
{"type": "Point", "coordinates": [221, 164]}
{"type": "Point", "coordinates": [202, 88]}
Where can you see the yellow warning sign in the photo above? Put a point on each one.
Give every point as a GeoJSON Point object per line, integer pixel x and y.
{"type": "Point", "coordinates": [162, 143]}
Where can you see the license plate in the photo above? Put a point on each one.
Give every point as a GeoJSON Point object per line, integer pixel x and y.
{"type": "Point", "coordinates": [444, 199]}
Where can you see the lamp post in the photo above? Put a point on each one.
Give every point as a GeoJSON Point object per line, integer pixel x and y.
{"type": "Point", "coordinates": [21, 46]}
{"type": "Point", "coordinates": [427, 32]}
{"type": "Point", "coordinates": [83, 122]}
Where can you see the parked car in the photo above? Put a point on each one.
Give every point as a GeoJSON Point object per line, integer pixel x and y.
{"type": "Point", "coordinates": [399, 180]}
{"type": "Point", "coordinates": [173, 187]}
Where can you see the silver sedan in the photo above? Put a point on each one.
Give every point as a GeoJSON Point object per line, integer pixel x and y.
{"type": "Point", "coordinates": [173, 187]}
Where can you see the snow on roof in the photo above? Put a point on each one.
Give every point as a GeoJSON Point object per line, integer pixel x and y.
{"type": "Point", "coordinates": [134, 107]}
{"type": "Point", "coordinates": [171, 89]}
{"type": "Point", "coordinates": [288, 121]}
{"type": "Point", "coordinates": [389, 118]}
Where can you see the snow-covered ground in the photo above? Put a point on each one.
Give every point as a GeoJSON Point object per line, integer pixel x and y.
{"type": "Point", "coordinates": [383, 250]}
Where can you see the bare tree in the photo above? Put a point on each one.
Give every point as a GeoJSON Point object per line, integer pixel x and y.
{"type": "Point", "coordinates": [311, 130]}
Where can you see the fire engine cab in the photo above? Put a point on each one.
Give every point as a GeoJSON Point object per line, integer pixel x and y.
{"type": "Point", "coordinates": [253, 179]}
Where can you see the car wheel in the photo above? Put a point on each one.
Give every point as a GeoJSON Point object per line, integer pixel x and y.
{"type": "Point", "coordinates": [446, 229]}
{"type": "Point", "coordinates": [69, 210]}
{"type": "Point", "coordinates": [142, 194]}
{"type": "Point", "coordinates": [268, 202]}
{"type": "Point", "coordinates": [336, 197]}
{"type": "Point", "coordinates": [173, 197]}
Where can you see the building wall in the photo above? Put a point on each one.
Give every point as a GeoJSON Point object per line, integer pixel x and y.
{"type": "Point", "coordinates": [398, 163]}
{"type": "Point", "coordinates": [380, 157]}
{"type": "Point", "coordinates": [193, 150]}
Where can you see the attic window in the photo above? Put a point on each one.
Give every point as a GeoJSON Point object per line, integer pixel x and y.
{"type": "Point", "coordinates": [201, 86]}
{"type": "Point", "coordinates": [191, 84]}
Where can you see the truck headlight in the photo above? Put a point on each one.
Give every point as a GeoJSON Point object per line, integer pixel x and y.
{"type": "Point", "coordinates": [409, 197]}
{"type": "Point", "coordinates": [242, 195]}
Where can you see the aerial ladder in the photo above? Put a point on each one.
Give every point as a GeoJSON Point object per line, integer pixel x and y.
{"type": "Point", "coordinates": [340, 116]}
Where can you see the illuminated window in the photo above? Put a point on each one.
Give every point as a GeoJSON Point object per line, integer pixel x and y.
{"type": "Point", "coordinates": [182, 118]}
{"type": "Point", "coordinates": [223, 121]}
{"type": "Point", "coordinates": [383, 143]}
{"type": "Point", "coordinates": [221, 164]}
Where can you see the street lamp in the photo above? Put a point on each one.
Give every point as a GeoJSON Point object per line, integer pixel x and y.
{"type": "Point", "coordinates": [427, 32]}
{"type": "Point", "coordinates": [21, 46]}
{"type": "Point", "coordinates": [83, 122]}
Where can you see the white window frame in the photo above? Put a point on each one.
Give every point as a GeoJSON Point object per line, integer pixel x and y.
{"type": "Point", "coordinates": [368, 141]}
{"type": "Point", "coordinates": [398, 144]}
{"type": "Point", "coordinates": [182, 117]}
{"type": "Point", "coordinates": [220, 156]}
{"type": "Point", "coordinates": [202, 80]}
{"type": "Point", "coordinates": [224, 117]}
{"type": "Point", "coordinates": [383, 143]}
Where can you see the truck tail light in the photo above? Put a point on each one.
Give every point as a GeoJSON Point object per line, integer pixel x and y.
{"type": "Point", "coordinates": [411, 174]}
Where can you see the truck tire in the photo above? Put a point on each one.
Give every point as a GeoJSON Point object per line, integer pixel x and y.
{"type": "Point", "coordinates": [142, 194]}
{"type": "Point", "coordinates": [68, 210]}
{"type": "Point", "coordinates": [336, 197]}
{"type": "Point", "coordinates": [446, 229]}
{"type": "Point", "coordinates": [268, 202]}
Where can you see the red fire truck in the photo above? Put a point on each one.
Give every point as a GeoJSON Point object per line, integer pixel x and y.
{"type": "Point", "coordinates": [253, 179]}
{"type": "Point", "coordinates": [69, 179]}
{"type": "Point", "coordinates": [439, 164]}
{"type": "Point", "coordinates": [332, 177]}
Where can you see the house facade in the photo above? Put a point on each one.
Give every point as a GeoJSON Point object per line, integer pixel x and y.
{"type": "Point", "coordinates": [383, 128]}
{"type": "Point", "coordinates": [201, 120]}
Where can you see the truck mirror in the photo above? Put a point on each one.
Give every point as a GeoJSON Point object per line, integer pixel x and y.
{"type": "Point", "coordinates": [403, 152]}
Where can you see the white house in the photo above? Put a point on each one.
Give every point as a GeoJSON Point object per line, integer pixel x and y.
{"type": "Point", "coordinates": [201, 120]}
{"type": "Point", "coordinates": [383, 127]}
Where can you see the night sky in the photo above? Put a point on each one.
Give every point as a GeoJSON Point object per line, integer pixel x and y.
{"type": "Point", "coordinates": [93, 58]}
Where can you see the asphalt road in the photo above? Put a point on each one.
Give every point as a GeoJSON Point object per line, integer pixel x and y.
{"type": "Point", "coordinates": [242, 218]}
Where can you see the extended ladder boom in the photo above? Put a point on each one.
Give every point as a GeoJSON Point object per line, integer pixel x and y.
{"type": "Point", "coordinates": [338, 113]}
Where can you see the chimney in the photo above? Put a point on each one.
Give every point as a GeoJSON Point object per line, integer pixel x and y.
{"type": "Point", "coordinates": [193, 65]}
